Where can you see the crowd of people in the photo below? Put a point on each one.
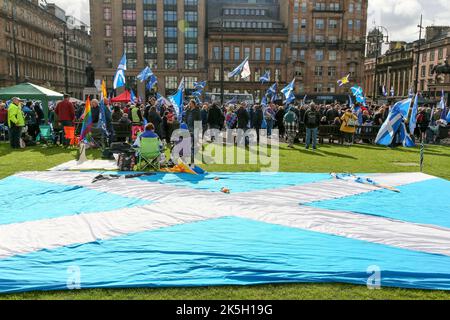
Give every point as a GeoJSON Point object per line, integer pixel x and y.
{"type": "Point", "coordinates": [287, 119]}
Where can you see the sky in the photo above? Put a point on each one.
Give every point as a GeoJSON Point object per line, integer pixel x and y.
{"type": "Point", "coordinates": [400, 17]}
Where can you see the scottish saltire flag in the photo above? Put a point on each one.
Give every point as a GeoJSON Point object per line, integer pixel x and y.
{"type": "Point", "coordinates": [119, 78]}
{"type": "Point", "coordinates": [405, 105]}
{"type": "Point", "coordinates": [273, 98]}
{"type": "Point", "coordinates": [357, 91]}
{"type": "Point", "coordinates": [288, 89]}
{"type": "Point", "coordinates": [265, 78]}
{"type": "Point", "coordinates": [182, 86]}
{"type": "Point", "coordinates": [344, 81]}
{"type": "Point", "coordinates": [234, 100]}
{"type": "Point", "coordinates": [152, 81]}
{"type": "Point", "coordinates": [177, 101]}
{"type": "Point", "coordinates": [243, 70]}
{"type": "Point", "coordinates": [414, 112]}
{"type": "Point", "coordinates": [162, 100]}
{"type": "Point", "coordinates": [273, 89]}
{"type": "Point", "coordinates": [392, 92]}
{"type": "Point", "coordinates": [200, 85]}
{"type": "Point", "coordinates": [410, 93]}
{"type": "Point", "coordinates": [87, 121]}
{"type": "Point", "coordinates": [405, 138]}
{"type": "Point", "coordinates": [391, 126]}
{"type": "Point", "coordinates": [361, 99]}
{"type": "Point", "coordinates": [197, 93]}
{"type": "Point", "coordinates": [145, 74]}
{"type": "Point", "coordinates": [290, 98]}
{"type": "Point", "coordinates": [384, 91]}
{"type": "Point", "coordinates": [132, 96]}
{"type": "Point", "coordinates": [74, 233]}
{"type": "Point", "coordinates": [264, 101]}
{"type": "Point", "coordinates": [448, 117]}
{"type": "Point", "coordinates": [102, 117]}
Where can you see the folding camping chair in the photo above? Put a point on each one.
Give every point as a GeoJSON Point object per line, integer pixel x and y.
{"type": "Point", "coordinates": [46, 134]}
{"type": "Point", "coordinates": [149, 154]}
{"type": "Point", "coordinates": [69, 134]}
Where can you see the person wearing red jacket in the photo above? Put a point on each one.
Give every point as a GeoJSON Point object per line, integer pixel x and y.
{"type": "Point", "coordinates": [66, 115]}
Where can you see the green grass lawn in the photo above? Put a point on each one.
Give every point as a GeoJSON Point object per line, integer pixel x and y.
{"type": "Point", "coordinates": [363, 159]}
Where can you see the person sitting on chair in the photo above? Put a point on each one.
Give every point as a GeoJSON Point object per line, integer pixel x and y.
{"type": "Point", "coordinates": [148, 133]}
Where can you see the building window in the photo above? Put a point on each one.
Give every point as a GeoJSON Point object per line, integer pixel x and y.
{"type": "Point", "coordinates": [319, 55]}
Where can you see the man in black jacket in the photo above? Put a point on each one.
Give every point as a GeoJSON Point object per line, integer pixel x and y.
{"type": "Point", "coordinates": [215, 117]}
{"type": "Point", "coordinates": [258, 119]}
{"type": "Point", "coordinates": [312, 122]}
{"type": "Point", "coordinates": [193, 115]}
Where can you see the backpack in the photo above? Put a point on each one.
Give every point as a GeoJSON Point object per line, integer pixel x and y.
{"type": "Point", "coordinates": [311, 118]}
{"type": "Point", "coordinates": [420, 118]}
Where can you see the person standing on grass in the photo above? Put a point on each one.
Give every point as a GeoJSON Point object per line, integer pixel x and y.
{"type": "Point", "coordinates": [65, 111]}
{"type": "Point", "coordinates": [290, 123]}
{"type": "Point", "coordinates": [348, 127]}
{"type": "Point", "coordinates": [16, 122]}
{"type": "Point", "coordinates": [312, 122]}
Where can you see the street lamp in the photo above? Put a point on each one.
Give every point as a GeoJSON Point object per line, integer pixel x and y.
{"type": "Point", "coordinates": [379, 39]}
{"type": "Point", "coordinates": [64, 37]}
{"type": "Point", "coordinates": [222, 71]}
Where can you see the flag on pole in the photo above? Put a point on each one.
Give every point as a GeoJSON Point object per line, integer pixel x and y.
{"type": "Point", "coordinates": [344, 81]}
{"type": "Point", "coordinates": [145, 74]}
{"type": "Point", "coordinates": [391, 126]}
{"type": "Point", "coordinates": [392, 92]}
{"type": "Point", "coordinates": [243, 70]}
{"type": "Point", "coordinates": [177, 101]}
{"type": "Point", "coordinates": [200, 85]}
{"type": "Point", "coordinates": [182, 86]}
{"type": "Point", "coordinates": [119, 78]}
{"type": "Point", "coordinates": [104, 90]}
{"type": "Point", "coordinates": [304, 100]}
{"type": "Point", "coordinates": [290, 98]}
{"type": "Point", "coordinates": [384, 91]}
{"type": "Point", "coordinates": [273, 89]}
{"type": "Point", "coordinates": [132, 97]}
{"type": "Point", "coordinates": [413, 117]}
{"type": "Point", "coordinates": [357, 91]}
{"type": "Point", "coordinates": [152, 81]}
{"type": "Point", "coordinates": [287, 90]}
{"type": "Point", "coordinates": [87, 121]}
{"type": "Point", "coordinates": [266, 77]}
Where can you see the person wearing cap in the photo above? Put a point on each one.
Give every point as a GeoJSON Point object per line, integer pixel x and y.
{"type": "Point", "coordinates": [16, 122]}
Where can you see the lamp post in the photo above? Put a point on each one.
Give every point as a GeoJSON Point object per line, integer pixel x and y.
{"type": "Point", "coordinates": [416, 82]}
{"type": "Point", "coordinates": [222, 71]}
{"type": "Point", "coordinates": [16, 62]}
{"type": "Point", "coordinates": [379, 39]}
{"type": "Point", "coordinates": [64, 37]}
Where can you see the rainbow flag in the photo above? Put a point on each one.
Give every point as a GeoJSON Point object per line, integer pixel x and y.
{"type": "Point", "coordinates": [87, 121]}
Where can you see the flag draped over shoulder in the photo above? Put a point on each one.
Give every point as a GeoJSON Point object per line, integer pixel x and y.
{"type": "Point", "coordinates": [87, 121]}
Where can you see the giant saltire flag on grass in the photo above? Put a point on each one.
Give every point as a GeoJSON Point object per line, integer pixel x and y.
{"type": "Point", "coordinates": [178, 229]}
{"type": "Point", "coordinates": [87, 121]}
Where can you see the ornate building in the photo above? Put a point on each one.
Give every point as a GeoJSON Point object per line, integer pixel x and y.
{"type": "Point", "coordinates": [167, 35]}
{"type": "Point", "coordinates": [326, 42]}
{"type": "Point", "coordinates": [241, 29]}
{"type": "Point", "coordinates": [32, 46]}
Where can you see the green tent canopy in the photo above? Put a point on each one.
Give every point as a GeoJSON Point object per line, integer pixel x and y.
{"type": "Point", "coordinates": [31, 91]}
